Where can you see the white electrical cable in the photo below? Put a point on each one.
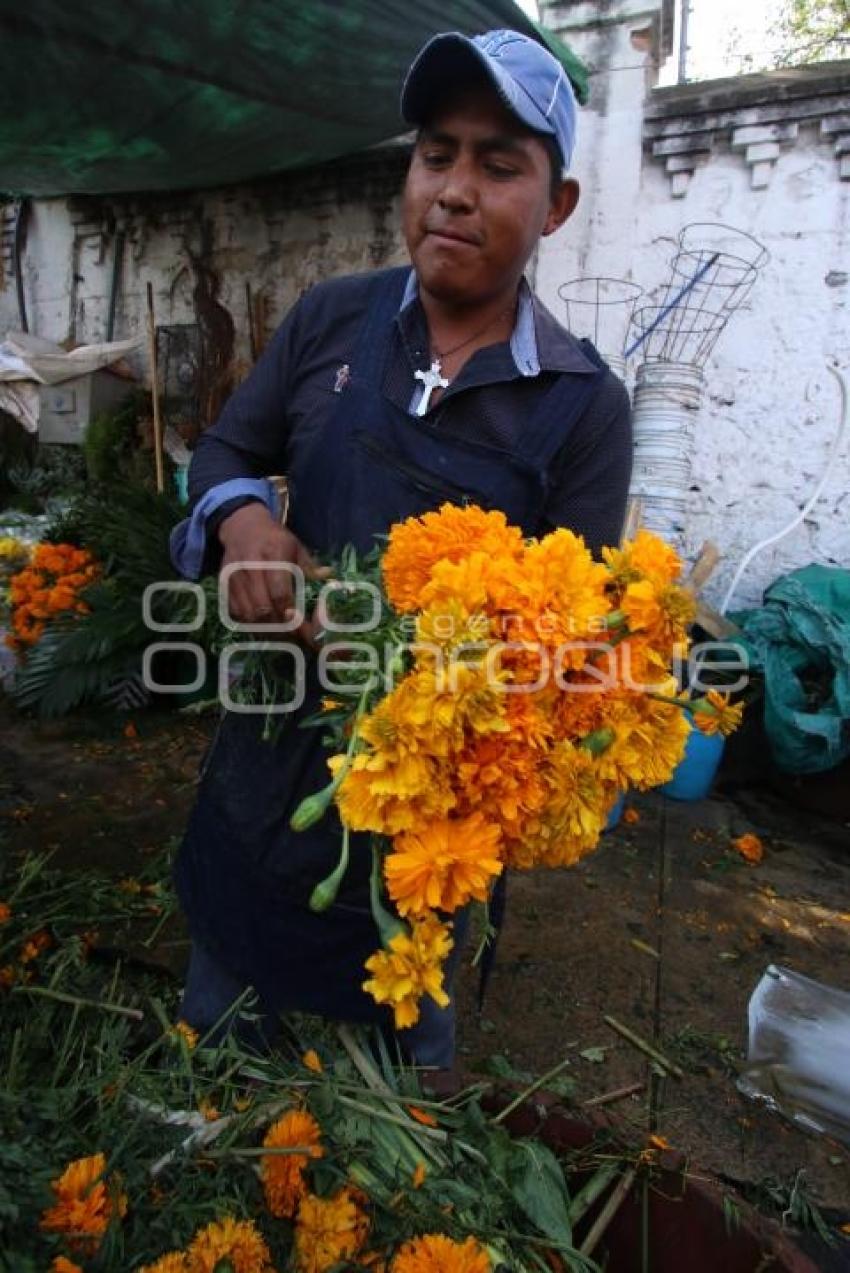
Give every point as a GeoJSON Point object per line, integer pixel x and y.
{"type": "Point", "coordinates": [810, 502]}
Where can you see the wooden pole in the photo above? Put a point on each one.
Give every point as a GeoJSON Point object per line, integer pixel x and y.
{"type": "Point", "coordinates": [157, 420]}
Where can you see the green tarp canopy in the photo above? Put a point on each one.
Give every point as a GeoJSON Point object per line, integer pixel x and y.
{"type": "Point", "coordinates": [103, 97]}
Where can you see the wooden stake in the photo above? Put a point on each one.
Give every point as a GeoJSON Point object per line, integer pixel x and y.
{"type": "Point", "coordinates": [647, 1048]}
{"type": "Point", "coordinates": [157, 420]}
{"type": "Point", "coordinates": [608, 1212]}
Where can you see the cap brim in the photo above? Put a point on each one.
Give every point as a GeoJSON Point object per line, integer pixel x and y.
{"type": "Point", "coordinates": [439, 68]}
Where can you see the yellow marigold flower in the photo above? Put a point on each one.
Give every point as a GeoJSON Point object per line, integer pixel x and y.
{"type": "Point", "coordinates": [172, 1262]}
{"type": "Point", "coordinates": [84, 1204]}
{"type": "Point", "coordinates": [312, 1061]}
{"type": "Point", "coordinates": [5, 912]}
{"type": "Point", "coordinates": [435, 1253]}
{"type": "Point", "coordinates": [412, 966]}
{"type": "Point", "coordinates": [388, 793]}
{"type": "Point", "coordinates": [750, 847]}
{"type": "Point", "coordinates": [415, 547]}
{"type": "Point", "coordinates": [715, 714]}
{"type": "Point", "coordinates": [443, 865]}
{"type": "Point", "coordinates": [565, 586]}
{"type": "Point", "coordinates": [447, 625]}
{"type": "Point", "coordinates": [662, 612]}
{"type": "Point", "coordinates": [238, 1241]}
{"type": "Point", "coordinates": [182, 1030]}
{"type": "Point", "coordinates": [645, 557]}
{"type": "Point", "coordinates": [61, 1264]}
{"type": "Point", "coordinates": [210, 1112]}
{"type": "Point", "coordinates": [283, 1174]}
{"type": "Point", "coordinates": [328, 1231]}
{"type": "Point", "coordinates": [577, 807]}
{"type": "Point", "coordinates": [649, 742]}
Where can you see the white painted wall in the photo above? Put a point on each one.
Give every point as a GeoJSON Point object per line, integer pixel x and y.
{"type": "Point", "coordinates": [770, 409]}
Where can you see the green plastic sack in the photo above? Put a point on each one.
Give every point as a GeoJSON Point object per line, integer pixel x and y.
{"type": "Point", "coordinates": [800, 641]}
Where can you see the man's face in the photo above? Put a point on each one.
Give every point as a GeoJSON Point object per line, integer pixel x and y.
{"type": "Point", "coordinates": [477, 198]}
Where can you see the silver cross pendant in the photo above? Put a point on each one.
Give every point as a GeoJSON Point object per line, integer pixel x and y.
{"type": "Point", "coordinates": [431, 379]}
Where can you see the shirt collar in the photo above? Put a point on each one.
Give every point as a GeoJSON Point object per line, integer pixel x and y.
{"type": "Point", "coordinates": [538, 341]}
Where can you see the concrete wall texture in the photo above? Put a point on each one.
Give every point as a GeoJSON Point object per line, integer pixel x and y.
{"type": "Point", "coordinates": [769, 155]}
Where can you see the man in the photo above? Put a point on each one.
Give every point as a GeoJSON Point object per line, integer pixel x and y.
{"type": "Point", "coordinates": [382, 396]}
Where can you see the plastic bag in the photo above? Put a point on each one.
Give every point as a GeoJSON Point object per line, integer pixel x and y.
{"type": "Point", "coordinates": [798, 1060]}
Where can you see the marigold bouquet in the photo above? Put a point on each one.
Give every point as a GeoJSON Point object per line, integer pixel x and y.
{"type": "Point", "coordinates": [49, 585]}
{"type": "Point", "coordinates": [533, 689]}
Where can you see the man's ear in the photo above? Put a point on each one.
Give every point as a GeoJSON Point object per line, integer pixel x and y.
{"type": "Point", "coordinates": [562, 206]}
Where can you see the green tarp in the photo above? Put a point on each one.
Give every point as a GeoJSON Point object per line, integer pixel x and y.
{"type": "Point", "coordinates": [178, 94]}
{"type": "Point", "coordinates": [800, 641]}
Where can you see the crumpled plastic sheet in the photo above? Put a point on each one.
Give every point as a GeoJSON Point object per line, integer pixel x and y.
{"type": "Point", "coordinates": [798, 1061]}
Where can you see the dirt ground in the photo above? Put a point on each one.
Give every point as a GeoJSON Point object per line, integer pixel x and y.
{"type": "Point", "coordinates": [107, 796]}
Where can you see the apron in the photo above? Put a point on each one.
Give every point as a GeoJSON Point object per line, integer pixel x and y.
{"type": "Point", "coordinates": [243, 876]}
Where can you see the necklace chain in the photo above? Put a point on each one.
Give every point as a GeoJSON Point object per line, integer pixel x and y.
{"type": "Point", "coordinates": [447, 353]}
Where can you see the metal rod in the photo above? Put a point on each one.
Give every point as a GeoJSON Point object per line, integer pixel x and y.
{"type": "Point", "coordinates": [683, 41]}
{"type": "Point", "coordinates": [680, 295]}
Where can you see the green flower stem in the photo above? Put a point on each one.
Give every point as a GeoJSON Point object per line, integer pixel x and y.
{"type": "Point", "coordinates": [324, 894]}
{"type": "Point", "coordinates": [387, 924]}
{"type": "Point", "coordinates": [599, 741]}
{"type": "Point", "coordinates": [313, 808]}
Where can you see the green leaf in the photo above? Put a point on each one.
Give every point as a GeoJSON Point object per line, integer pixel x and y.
{"type": "Point", "coordinates": [537, 1183]}
{"type": "Point", "coordinates": [597, 1055]}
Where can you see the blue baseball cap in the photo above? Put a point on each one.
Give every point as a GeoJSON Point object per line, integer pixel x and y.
{"type": "Point", "coordinates": [530, 81]}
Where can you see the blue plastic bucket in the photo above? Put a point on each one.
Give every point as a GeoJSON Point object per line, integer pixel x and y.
{"type": "Point", "coordinates": [615, 815]}
{"type": "Point", "coordinates": [696, 771]}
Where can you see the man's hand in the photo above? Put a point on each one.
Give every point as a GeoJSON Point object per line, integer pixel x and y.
{"type": "Point", "coordinates": [257, 596]}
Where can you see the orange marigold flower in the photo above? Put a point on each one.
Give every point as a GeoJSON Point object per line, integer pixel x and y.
{"type": "Point", "coordinates": [84, 1204]}
{"type": "Point", "coordinates": [435, 1253]}
{"type": "Point", "coordinates": [61, 1264]}
{"type": "Point", "coordinates": [631, 815]}
{"type": "Point", "coordinates": [443, 865]}
{"type": "Point", "coordinates": [8, 976]}
{"type": "Point", "coordinates": [35, 945]}
{"type": "Point", "coordinates": [661, 612]}
{"type": "Point", "coordinates": [421, 1116]}
{"type": "Point", "coordinates": [182, 1030]}
{"type": "Point", "coordinates": [237, 1241]}
{"type": "Point", "coordinates": [715, 714]}
{"type": "Point", "coordinates": [419, 1173]}
{"type": "Point", "coordinates": [659, 1142]}
{"type": "Point", "coordinates": [645, 557]}
{"type": "Point", "coordinates": [328, 1231]}
{"type": "Point", "coordinates": [416, 545]}
{"type": "Point", "coordinates": [312, 1061]}
{"type": "Point", "coordinates": [410, 968]}
{"type": "Point", "coordinates": [172, 1262]}
{"type": "Point", "coordinates": [283, 1174]}
{"type": "Point", "coordinates": [210, 1112]}
{"type": "Point", "coordinates": [5, 912]}
{"type": "Point", "coordinates": [750, 847]}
